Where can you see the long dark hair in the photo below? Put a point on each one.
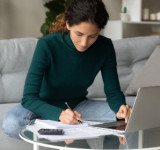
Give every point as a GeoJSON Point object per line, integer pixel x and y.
{"type": "Point", "coordinates": [78, 11]}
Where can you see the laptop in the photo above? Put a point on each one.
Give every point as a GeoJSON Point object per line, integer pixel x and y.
{"type": "Point", "coordinates": [145, 112]}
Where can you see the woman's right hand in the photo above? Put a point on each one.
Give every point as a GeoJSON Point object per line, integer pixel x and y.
{"type": "Point", "coordinates": [70, 117]}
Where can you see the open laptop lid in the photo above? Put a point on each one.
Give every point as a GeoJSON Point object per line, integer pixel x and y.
{"type": "Point", "coordinates": [145, 112]}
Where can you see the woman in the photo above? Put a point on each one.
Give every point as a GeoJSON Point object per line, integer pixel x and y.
{"type": "Point", "coordinates": [64, 65]}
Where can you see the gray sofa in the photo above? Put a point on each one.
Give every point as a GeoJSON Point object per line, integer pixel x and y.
{"type": "Point", "coordinates": [15, 58]}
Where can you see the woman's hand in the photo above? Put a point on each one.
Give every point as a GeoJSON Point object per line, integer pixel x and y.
{"type": "Point", "coordinates": [68, 141]}
{"type": "Point", "coordinates": [122, 140]}
{"type": "Point", "coordinates": [124, 112]}
{"type": "Point", "coordinates": [70, 117]}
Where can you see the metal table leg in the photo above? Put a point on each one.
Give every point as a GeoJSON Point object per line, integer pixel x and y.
{"type": "Point", "coordinates": [35, 145]}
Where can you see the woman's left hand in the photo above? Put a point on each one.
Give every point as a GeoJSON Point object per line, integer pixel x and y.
{"type": "Point", "coordinates": [124, 112]}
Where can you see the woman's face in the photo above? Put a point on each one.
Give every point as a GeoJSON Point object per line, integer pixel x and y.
{"type": "Point", "coordinates": [83, 35]}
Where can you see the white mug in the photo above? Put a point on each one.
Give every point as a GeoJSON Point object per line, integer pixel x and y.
{"type": "Point", "coordinates": [145, 14]}
{"type": "Point", "coordinates": [124, 17]}
{"type": "Point", "coordinates": [158, 16]}
{"type": "Point", "coordinates": [153, 17]}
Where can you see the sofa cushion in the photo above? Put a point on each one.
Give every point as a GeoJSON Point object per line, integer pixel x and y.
{"type": "Point", "coordinates": [16, 55]}
{"type": "Point", "coordinates": [130, 100]}
{"type": "Point", "coordinates": [96, 90]}
{"type": "Point", "coordinates": [148, 75]}
{"type": "Point", "coordinates": [132, 53]}
{"type": "Point", "coordinates": [15, 58]}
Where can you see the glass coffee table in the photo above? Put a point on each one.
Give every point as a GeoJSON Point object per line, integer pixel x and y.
{"type": "Point", "coordinates": [143, 139]}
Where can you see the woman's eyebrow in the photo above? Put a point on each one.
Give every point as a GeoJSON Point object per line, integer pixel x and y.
{"type": "Point", "coordinates": [78, 32]}
{"type": "Point", "coordinates": [93, 34]}
{"type": "Point", "coordinates": [89, 35]}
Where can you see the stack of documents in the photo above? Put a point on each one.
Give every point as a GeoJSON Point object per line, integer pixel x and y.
{"type": "Point", "coordinates": [79, 131]}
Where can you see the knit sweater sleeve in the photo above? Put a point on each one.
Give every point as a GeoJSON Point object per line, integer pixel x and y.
{"type": "Point", "coordinates": [31, 99]}
{"type": "Point", "coordinates": [115, 96]}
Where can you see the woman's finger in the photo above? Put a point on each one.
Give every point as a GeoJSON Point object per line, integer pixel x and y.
{"type": "Point", "coordinates": [121, 112]}
{"type": "Point", "coordinates": [124, 112]}
{"type": "Point", "coordinates": [78, 115]}
{"type": "Point", "coordinates": [68, 117]}
{"type": "Point", "coordinates": [128, 114]}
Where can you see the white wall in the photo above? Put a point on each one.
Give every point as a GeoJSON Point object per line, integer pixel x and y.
{"type": "Point", "coordinates": [113, 29]}
{"type": "Point", "coordinates": [114, 8]}
{"type": "Point", "coordinates": [21, 18]}
{"type": "Point", "coordinates": [135, 14]}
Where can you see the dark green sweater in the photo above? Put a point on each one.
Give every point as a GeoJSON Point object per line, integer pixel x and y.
{"type": "Point", "coordinates": [60, 73]}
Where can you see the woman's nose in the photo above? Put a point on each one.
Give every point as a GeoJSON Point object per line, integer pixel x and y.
{"type": "Point", "coordinates": [84, 42]}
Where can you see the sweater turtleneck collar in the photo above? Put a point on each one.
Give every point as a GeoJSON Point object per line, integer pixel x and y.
{"type": "Point", "coordinates": [68, 41]}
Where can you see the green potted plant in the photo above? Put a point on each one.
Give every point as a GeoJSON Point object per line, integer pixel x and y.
{"type": "Point", "coordinates": [55, 7]}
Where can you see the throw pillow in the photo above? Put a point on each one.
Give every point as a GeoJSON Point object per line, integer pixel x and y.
{"type": "Point", "coordinates": [149, 75]}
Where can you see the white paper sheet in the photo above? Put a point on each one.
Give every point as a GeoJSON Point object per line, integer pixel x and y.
{"type": "Point", "coordinates": [80, 131]}
{"type": "Point", "coordinates": [70, 133]}
{"type": "Point", "coordinates": [59, 125]}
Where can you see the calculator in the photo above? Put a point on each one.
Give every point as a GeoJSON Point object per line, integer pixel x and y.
{"type": "Point", "coordinates": [51, 131]}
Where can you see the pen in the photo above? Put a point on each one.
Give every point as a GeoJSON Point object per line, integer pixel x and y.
{"type": "Point", "coordinates": [73, 111]}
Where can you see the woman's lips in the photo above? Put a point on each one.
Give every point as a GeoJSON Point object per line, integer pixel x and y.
{"type": "Point", "coordinates": [82, 47]}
